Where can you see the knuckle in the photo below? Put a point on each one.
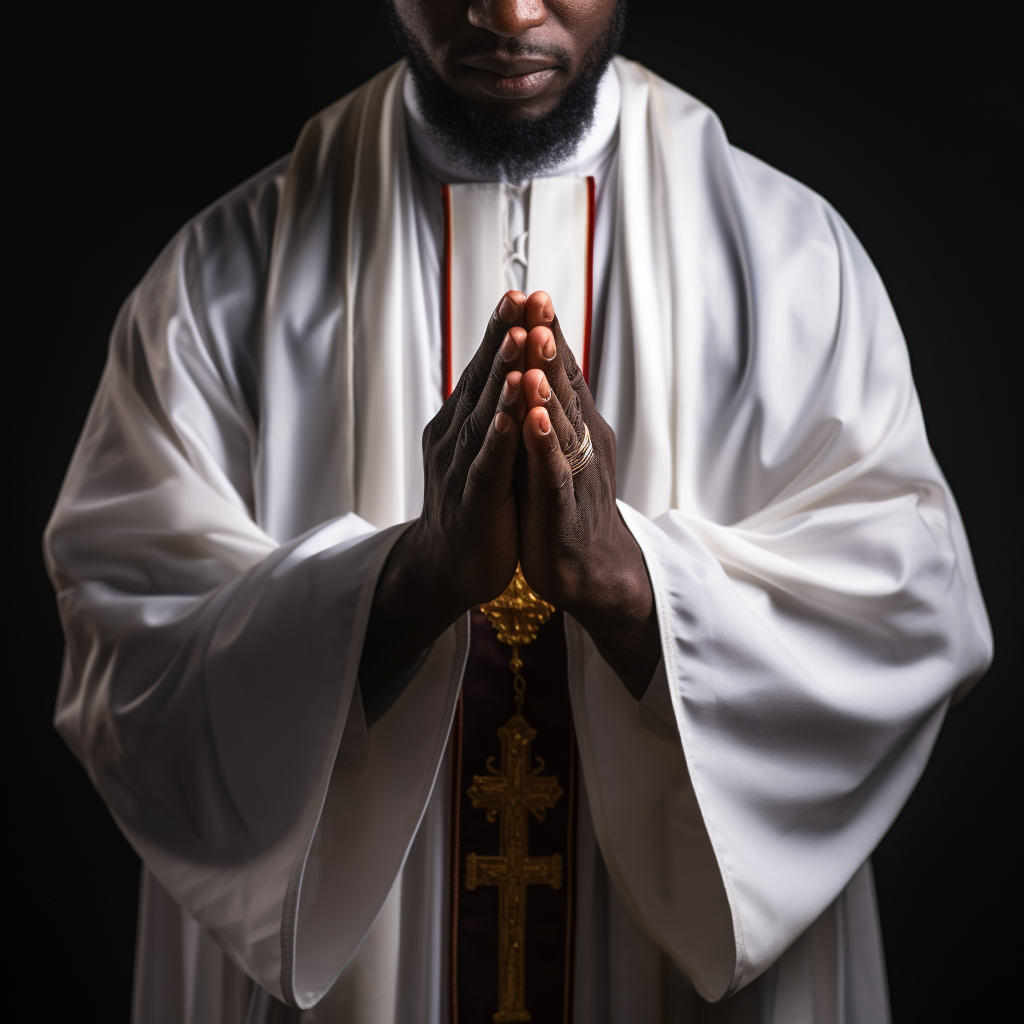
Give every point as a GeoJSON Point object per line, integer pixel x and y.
{"type": "Point", "coordinates": [575, 412]}
{"type": "Point", "coordinates": [427, 438]}
{"type": "Point", "coordinates": [606, 435]}
{"type": "Point", "coordinates": [473, 478]}
{"type": "Point", "coordinates": [471, 432]}
{"type": "Point", "coordinates": [556, 330]}
{"type": "Point", "coordinates": [496, 376]}
{"type": "Point", "coordinates": [460, 386]}
{"type": "Point", "coordinates": [496, 328]}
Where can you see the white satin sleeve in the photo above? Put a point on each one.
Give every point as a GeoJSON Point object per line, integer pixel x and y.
{"type": "Point", "coordinates": [810, 652]}
{"type": "Point", "coordinates": [209, 680]}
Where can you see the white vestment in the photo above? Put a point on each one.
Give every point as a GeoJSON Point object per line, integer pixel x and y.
{"type": "Point", "coordinates": [251, 454]}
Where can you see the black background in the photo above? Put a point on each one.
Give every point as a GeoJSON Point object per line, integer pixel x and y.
{"type": "Point", "coordinates": [127, 121]}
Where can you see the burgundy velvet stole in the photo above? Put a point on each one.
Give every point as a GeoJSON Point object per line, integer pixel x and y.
{"type": "Point", "coordinates": [485, 705]}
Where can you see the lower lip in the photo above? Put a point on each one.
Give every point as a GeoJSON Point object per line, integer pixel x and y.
{"type": "Point", "coordinates": [514, 86]}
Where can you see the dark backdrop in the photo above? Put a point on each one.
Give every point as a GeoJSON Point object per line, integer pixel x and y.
{"type": "Point", "coordinates": [128, 121]}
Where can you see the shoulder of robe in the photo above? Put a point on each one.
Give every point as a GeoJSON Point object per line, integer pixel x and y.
{"type": "Point", "coordinates": [777, 245]}
{"type": "Point", "coordinates": [773, 304]}
{"type": "Point", "coordinates": [691, 129]}
{"type": "Point", "coordinates": [345, 148]}
{"type": "Point", "coordinates": [756, 210]}
{"type": "Point", "coordinates": [211, 274]}
{"type": "Point", "coordinates": [199, 305]}
{"type": "Point", "coordinates": [229, 246]}
{"type": "Point", "coordinates": [229, 242]}
{"type": "Point", "coordinates": [210, 288]}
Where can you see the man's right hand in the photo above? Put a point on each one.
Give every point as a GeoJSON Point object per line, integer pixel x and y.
{"type": "Point", "coordinates": [464, 547]}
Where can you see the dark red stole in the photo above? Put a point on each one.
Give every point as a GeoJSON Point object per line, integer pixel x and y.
{"type": "Point", "coordinates": [485, 705]}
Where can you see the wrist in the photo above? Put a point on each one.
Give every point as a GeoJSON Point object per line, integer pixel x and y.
{"type": "Point", "coordinates": [415, 579]}
{"type": "Point", "coordinates": [616, 589]}
{"type": "Point", "coordinates": [408, 612]}
{"type": "Point", "coordinates": [621, 615]}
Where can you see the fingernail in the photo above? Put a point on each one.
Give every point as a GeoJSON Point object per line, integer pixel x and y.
{"type": "Point", "coordinates": [508, 346]}
{"type": "Point", "coordinates": [543, 390]}
{"type": "Point", "coordinates": [501, 423]}
{"type": "Point", "coordinates": [508, 392]}
{"type": "Point", "coordinates": [549, 349]}
{"type": "Point", "coordinates": [549, 311]}
{"type": "Point", "coordinates": [507, 309]}
{"type": "Point", "coordinates": [545, 425]}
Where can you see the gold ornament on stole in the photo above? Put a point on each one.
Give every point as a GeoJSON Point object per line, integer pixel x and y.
{"type": "Point", "coordinates": [515, 791]}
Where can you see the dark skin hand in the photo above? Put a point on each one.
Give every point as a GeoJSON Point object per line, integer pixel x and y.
{"type": "Point", "coordinates": [574, 548]}
{"type": "Point", "coordinates": [481, 513]}
{"type": "Point", "coordinates": [463, 548]}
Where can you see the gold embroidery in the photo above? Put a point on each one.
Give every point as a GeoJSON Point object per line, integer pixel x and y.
{"type": "Point", "coordinates": [516, 617]}
{"type": "Point", "coordinates": [515, 792]}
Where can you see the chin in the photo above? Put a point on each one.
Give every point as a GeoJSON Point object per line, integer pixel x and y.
{"type": "Point", "coordinates": [512, 113]}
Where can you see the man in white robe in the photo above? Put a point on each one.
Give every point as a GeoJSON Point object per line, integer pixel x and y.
{"type": "Point", "coordinates": [254, 454]}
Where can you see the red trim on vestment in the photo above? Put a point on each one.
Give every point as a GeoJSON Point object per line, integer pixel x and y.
{"type": "Point", "coordinates": [446, 295]}
{"type": "Point", "coordinates": [455, 853]}
{"type": "Point", "coordinates": [588, 313]}
{"type": "Point", "coordinates": [569, 1007]}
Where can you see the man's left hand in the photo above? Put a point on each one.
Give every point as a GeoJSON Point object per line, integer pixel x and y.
{"type": "Point", "coordinates": [574, 548]}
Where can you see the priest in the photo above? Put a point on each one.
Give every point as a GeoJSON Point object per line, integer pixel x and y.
{"type": "Point", "coordinates": [503, 569]}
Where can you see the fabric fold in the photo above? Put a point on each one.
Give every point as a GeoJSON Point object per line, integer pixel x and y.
{"type": "Point", "coordinates": [817, 601]}
{"type": "Point", "coordinates": [213, 641]}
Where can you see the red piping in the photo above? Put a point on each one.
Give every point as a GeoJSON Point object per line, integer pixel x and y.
{"type": "Point", "coordinates": [588, 313]}
{"type": "Point", "coordinates": [446, 295]}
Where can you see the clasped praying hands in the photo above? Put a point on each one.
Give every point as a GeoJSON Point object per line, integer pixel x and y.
{"type": "Point", "coordinates": [499, 488]}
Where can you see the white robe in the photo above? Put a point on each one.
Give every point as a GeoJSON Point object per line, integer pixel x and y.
{"type": "Point", "coordinates": [250, 456]}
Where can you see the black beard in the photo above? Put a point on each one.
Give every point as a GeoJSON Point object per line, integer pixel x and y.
{"type": "Point", "coordinates": [509, 149]}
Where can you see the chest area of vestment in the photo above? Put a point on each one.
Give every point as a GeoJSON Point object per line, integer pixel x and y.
{"type": "Point", "coordinates": [493, 237]}
{"type": "Point", "coordinates": [361, 355]}
{"type": "Point", "coordinates": [534, 237]}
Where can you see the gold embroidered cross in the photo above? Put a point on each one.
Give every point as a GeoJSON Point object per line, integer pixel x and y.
{"type": "Point", "coordinates": [514, 792]}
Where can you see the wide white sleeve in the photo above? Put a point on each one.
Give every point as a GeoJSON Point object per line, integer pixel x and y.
{"type": "Point", "coordinates": [810, 651]}
{"type": "Point", "coordinates": [209, 683]}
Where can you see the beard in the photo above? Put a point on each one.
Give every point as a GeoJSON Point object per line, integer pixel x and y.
{"type": "Point", "coordinates": [502, 148]}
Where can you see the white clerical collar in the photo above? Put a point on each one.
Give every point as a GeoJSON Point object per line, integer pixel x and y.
{"type": "Point", "coordinates": [591, 152]}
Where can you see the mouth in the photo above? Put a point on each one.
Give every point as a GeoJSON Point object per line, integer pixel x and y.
{"type": "Point", "coordinates": [510, 79]}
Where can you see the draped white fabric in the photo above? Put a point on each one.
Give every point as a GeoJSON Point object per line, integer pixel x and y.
{"type": "Point", "coordinates": [251, 452]}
